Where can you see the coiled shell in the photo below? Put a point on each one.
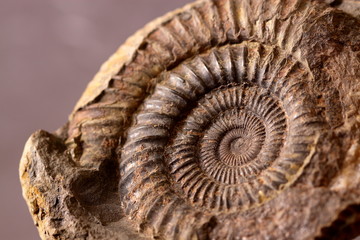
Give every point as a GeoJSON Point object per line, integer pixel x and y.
{"type": "Point", "coordinates": [227, 119]}
{"type": "Point", "coordinates": [232, 132]}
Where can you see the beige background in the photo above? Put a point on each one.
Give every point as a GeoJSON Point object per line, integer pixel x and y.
{"type": "Point", "coordinates": [49, 51]}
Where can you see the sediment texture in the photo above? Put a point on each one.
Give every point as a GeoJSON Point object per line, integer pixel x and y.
{"type": "Point", "coordinates": [228, 119]}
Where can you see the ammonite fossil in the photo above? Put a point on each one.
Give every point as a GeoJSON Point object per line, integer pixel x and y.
{"type": "Point", "coordinates": [227, 119]}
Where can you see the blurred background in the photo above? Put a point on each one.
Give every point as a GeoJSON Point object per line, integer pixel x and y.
{"type": "Point", "coordinates": [49, 51]}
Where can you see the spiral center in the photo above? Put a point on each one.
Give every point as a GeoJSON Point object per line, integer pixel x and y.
{"type": "Point", "coordinates": [237, 146]}
{"type": "Point", "coordinates": [242, 143]}
{"type": "Point", "coordinates": [229, 136]}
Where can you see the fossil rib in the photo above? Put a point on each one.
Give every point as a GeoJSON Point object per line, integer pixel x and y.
{"type": "Point", "coordinates": [227, 119]}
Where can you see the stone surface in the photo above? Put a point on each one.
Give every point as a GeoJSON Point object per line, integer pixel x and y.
{"type": "Point", "coordinates": [229, 119]}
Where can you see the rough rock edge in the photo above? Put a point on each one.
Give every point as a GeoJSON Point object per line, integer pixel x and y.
{"type": "Point", "coordinates": [55, 211]}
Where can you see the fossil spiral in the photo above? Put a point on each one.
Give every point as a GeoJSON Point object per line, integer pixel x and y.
{"type": "Point", "coordinates": [234, 130]}
{"type": "Point", "coordinates": [222, 123]}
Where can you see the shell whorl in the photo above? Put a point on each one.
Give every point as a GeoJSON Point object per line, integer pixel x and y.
{"type": "Point", "coordinates": [220, 132]}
